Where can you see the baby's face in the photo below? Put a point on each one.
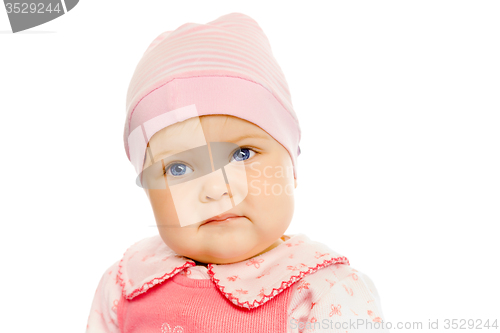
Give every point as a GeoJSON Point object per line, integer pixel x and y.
{"type": "Point", "coordinates": [258, 188]}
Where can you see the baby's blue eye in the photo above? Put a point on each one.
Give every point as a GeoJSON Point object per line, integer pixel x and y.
{"type": "Point", "coordinates": [178, 169]}
{"type": "Point", "coordinates": [242, 154]}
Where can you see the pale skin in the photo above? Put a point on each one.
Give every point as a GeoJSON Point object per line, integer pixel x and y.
{"type": "Point", "coordinates": [265, 214]}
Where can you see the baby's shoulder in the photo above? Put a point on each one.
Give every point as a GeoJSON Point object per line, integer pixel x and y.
{"type": "Point", "coordinates": [329, 281]}
{"type": "Point", "coordinates": [332, 274]}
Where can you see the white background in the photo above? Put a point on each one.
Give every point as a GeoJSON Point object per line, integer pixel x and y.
{"type": "Point", "coordinates": [399, 107]}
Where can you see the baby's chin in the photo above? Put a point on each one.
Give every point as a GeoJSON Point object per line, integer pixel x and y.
{"type": "Point", "coordinates": [226, 251]}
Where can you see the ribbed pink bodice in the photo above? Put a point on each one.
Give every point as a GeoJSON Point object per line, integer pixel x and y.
{"type": "Point", "coordinates": [197, 306]}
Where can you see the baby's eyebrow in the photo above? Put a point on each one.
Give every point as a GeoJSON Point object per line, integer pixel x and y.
{"type": "Point", "coordinates": [237, 139]}
{"type": "Point", "coordinates": [248, 136]}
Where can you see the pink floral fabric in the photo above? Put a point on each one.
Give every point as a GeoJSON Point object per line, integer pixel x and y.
{"type": "Point", "coordinates": [327, 294]}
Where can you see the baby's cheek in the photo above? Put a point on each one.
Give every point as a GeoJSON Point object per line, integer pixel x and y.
{"type": "Point", "coordinates": [271, 191]}
{"type": "Point", "coordinates": [270, 182]}
{"type": "Point", "coordinates": [163, 207]}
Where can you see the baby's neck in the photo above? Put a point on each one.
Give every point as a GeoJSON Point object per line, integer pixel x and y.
{"type": "Point", "coordinates": [200, 263]}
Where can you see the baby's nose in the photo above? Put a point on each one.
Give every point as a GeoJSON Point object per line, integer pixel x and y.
{"type": "Point", "coordinates": [214, 190]}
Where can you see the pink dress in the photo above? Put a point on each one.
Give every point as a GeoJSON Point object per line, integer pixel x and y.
{"type": "Point", "coordinates": [299, 286]}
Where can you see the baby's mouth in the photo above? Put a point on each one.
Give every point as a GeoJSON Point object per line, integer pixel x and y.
{"type": "Point", "coordinates": [219, 219]}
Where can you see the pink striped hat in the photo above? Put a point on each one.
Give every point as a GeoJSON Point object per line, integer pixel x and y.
{"type": "Point", "coordinates": [223, 67]}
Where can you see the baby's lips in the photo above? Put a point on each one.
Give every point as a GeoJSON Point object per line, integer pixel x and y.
{"type": "Point", "coordinates": [220, 217]}
{"type": "Point", "coordinates": [38, 12]}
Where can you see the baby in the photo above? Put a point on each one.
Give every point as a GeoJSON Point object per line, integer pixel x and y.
{"type": "Point", "coordinates": [214, 139]}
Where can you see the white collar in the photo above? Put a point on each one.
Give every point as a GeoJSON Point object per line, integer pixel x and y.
{"type": "Point", "coordinates": [248, 283]}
